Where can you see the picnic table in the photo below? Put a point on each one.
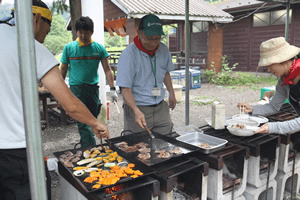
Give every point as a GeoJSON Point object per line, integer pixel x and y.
{"type": "Point", "coordinates": [49, 102]}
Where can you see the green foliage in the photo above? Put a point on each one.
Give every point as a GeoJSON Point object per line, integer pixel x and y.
{"type": "Point", "coordinates": [198, 103]}
{"type": "Point", "coordinates": [59, 6]}
{"type": "Point", "coordinates": [232, 79]}
{"type": "Point", "coordinates": [116, 42]}
{"type": "Point", "coordinates": [225, 76]}
{"type": "Point", "coordinates": [58, 37]}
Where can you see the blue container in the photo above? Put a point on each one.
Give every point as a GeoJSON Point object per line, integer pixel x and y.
{"type": "Point", "coordinates": [182, 81]}
{"type": "Point", "coordinates": [175, 78]}
{"type": "Point", "coordinates": [196, 78]}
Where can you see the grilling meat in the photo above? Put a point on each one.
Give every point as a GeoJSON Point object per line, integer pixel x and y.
{"type": "Point", "coordinates": [160, 151]}
{"type": "Point", "coordinates": [176, 150]}
{"type": "Point", "coordinates": [130, 149]}
{"type": "Point", "coordinates": [123, 145]}
{"type": "Point", "coordinates": [144, 156]}
{"type": "Point", "coordinates": [141, 145]}
{"type": "Point", "coordinates": [164, 155]}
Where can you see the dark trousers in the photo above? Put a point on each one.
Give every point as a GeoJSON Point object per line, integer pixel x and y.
{"type": "Point", "coordinates": [89, 95]}
{"type": "Point", "coordinates": [14, 179]}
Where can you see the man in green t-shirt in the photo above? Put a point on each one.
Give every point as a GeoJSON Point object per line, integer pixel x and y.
{"type": "Point", "coordinates": [81, 58]}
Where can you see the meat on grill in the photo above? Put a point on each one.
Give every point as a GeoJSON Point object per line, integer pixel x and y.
{"type": "Point", "coordinates": [144, 156]}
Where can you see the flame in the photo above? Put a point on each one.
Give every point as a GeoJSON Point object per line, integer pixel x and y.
{"type": "Point", "coordinates": [114, 189]}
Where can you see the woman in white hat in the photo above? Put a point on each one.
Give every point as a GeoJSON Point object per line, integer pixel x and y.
{"type": "Point", "coordinates": [281, 59]}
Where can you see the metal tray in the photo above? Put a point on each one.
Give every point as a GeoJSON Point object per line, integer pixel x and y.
{"type": "Point", "coordinates": [197, 138]}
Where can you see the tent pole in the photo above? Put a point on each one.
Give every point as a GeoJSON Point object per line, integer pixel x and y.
{"type": "Point", "coordinates": [26, 53]}
{"type": "Point", "coordinates": [287, 21]}
{"type": "Point", "coordinates": [187, 56]}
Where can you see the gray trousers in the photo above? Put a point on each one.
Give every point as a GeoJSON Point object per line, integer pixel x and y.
{"type": "Point", "coordinates": [157, 118]}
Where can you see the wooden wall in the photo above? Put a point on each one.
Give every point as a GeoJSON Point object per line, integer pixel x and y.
{"type": "Point", "coordinates": [111, 11]}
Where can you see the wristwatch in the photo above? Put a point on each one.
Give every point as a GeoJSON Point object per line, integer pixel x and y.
{"type": "Point", "coordinates": [112, 88]}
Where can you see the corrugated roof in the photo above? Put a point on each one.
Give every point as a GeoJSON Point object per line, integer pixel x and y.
{"type": "Point", "coordinates": [166, 9]}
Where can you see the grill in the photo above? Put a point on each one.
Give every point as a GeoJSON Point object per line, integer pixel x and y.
{"type": "Point", "coordinates": [143, 187]}
{"type": "Point", "coordinates": [227, 170]}
{"type": "Point", "coordinates": [289, 158]}
{"type": "Point", "coordinates": [178, 174]}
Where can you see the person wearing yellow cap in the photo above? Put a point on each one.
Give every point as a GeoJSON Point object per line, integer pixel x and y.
{"type": "Point", "coordinates": [283, 60]}
{"type": "Point", "coordinates": [82, 57]}
{"type": "Point", "coordinates": [14, 177]}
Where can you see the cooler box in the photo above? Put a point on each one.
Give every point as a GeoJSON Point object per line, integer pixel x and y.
{"type": "Point", "coordinates": [175, 78]}
{"type": "Point", "coordinates": [196, 78]}
{"type": "Point", "coordinates": [266, 89]}
{"type": "Point", "coordinates": [182, 78]}
{"type": "Point", "coordinates": [177, 91]}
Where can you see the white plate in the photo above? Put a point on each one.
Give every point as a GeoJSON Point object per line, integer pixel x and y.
{"type": "Point", "coordinates": [260, 119]}
{"type": "Point", "coordinates": [246, 122]}
{"type": "Point", "coordinates": [248, 131]}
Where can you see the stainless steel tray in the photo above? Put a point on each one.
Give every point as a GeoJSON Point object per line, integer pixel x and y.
{"type": "Point", "coordinates": [197, 138]}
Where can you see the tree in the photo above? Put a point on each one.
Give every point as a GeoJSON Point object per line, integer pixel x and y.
{"type": "Point", "coordinates": [58, 37]}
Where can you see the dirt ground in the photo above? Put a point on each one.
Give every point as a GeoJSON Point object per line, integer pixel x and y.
{"type": "Point", "coordinates": [59, 138]}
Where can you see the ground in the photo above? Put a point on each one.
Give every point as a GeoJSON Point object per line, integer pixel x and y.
{"type": "Point", "coordinates": [59, 138]}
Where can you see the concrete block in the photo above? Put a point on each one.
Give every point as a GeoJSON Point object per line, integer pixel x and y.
{"type": "Point", "coordinates": [284, 183]}
{"type": "Point", "coordinates": [254, 177]}
{"type": "Point", "coordinates": [260, 193]}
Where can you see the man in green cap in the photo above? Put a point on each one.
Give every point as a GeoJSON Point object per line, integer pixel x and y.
{"type": "Point", "coordinates": [143, 70]}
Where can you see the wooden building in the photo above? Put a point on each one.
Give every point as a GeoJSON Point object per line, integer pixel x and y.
{"type": "Point", "coordinates": [254, 22]}
{"type": "Point", "coordinates": [122, 17]}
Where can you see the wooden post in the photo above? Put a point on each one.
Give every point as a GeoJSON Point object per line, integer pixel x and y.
{"type": "Point", "coordinates": [215, 47]}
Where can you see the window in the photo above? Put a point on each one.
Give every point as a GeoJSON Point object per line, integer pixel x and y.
{"type": "Point", "coordinates": [270, 18]}
{"type": "Point", "coordinates": [199, 27]}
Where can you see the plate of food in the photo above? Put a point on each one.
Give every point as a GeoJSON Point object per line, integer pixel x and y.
{"type": "Point", "coordinates": [242, 130]}
{"type": "Point", "coordinates": [259, 119]}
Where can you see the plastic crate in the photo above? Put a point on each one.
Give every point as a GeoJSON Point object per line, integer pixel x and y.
{"type": "Point", "coordinates": [266, 89]}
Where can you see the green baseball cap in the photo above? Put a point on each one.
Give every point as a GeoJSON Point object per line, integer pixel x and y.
{"type": "Point", "coordinates": [151, 25]}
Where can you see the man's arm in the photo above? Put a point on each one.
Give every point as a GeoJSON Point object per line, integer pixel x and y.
{"type": "Point", "coordinates": [108, 72]}
{"type": "Point", "coordinates": [54, 82]}
{"type": "Point", "coordinates": [130, 102]}
{"type": "Point", "coordinates": [168, 83]}
{"type": "Point", "coordinates": [63, 70]}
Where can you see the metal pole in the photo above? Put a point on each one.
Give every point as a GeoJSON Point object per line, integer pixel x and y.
{"type": "Point", "coordinates": [26, 53]}
{"type": "Point", "coordinates": [187, 57]}
{"type": "Point", "coordinates": [287, 20]}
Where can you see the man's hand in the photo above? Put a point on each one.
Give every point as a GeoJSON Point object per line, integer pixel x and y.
{"type": "Point", "coordinates": [140, 119]}
{"type": "Point", "coordinates": [101, 130]}
{"type": "Point", "coordinates": [114, 96]}
{"type": "Point", "coordinates": [263, 129]}
{"type": "Point", "coordinates": [172, 102]}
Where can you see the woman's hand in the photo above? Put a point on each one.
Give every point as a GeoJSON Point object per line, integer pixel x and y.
{"type": "Point", "coordinates": [263, 129]}
{"type": "Point", "coordinates": [245, 107]}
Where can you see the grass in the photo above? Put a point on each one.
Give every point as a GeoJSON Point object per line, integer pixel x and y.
{"type": "Point", "coordinates": [197, 103]}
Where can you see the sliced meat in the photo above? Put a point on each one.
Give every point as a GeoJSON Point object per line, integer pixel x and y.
{"type": "Point", "coordinates": [160, 151]}
{"type": "Point", "coordinates": [164, 155]}
{"type": "Point", "coordinates": [175, 150]}
{"type": "Point", "coordinates": [123, 145]}
{"type": "Point", "coordinates": [144, 156]}
{"type": "Point", "coordinates": [130, 149]}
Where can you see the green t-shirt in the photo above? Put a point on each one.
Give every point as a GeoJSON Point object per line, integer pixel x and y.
{"type": "Point", "coordinates": [83, 61]}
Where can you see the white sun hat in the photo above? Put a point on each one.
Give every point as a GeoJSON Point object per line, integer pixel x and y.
{"type": "Point", "coordinates": [276, 50]}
